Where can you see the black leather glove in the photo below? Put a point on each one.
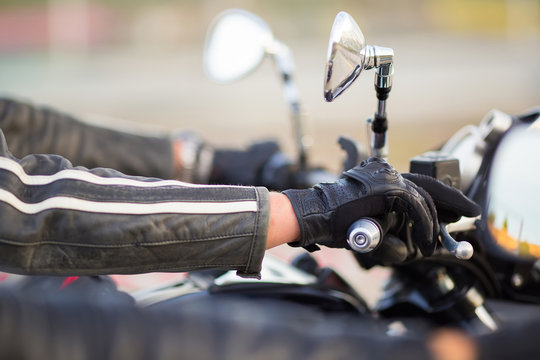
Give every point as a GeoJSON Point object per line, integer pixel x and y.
{"type": "Point", "coordinates": [451, 204]}
{"type": "Point", "coordinates": [262, 164]}
{"type": "Point", "coordinates": [370, 189]}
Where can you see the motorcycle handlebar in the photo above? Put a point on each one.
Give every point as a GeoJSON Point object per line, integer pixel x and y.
{"type": "Point", "coordinates": [368, 235]}
{"type": "Point", "coordinates": [365, 235]}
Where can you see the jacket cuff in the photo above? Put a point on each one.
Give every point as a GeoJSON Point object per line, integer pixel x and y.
{"type": "Point", "coordinates": [260, 234]}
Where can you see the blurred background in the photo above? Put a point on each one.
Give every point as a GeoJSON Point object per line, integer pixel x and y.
{"type": "Point", "coordinates": [141, 60]}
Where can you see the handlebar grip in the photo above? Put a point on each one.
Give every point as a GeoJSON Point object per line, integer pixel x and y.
{"type": "Point", "coordinates": [364, 235]}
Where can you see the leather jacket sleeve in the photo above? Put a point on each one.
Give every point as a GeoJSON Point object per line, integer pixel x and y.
{"type": "Point", "coordinates": [59, 219]}
{"type": "Point", "coordinates": [31, 129]}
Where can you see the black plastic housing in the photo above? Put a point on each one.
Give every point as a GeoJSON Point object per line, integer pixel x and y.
{"type": "Point", "coordinates": [438, 165]}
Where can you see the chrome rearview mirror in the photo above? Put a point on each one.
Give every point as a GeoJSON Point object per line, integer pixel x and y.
{"type": "Point", "coordinates": [347, 56]}
{"type": "Point", "coordinates": [236, 44]}
{"type": "Point", "coordinates": [514, 193]}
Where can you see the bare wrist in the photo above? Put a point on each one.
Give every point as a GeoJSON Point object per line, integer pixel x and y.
{"type": "Point", "coordinates": [283, 226]}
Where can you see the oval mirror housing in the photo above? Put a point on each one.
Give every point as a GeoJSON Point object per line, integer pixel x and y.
{"type": "Point", "coordinates": [514, 193]}
{"type": "Point", "coordinates": [346, 56]}
{"type": "Point", "coordinates": [235, 45]}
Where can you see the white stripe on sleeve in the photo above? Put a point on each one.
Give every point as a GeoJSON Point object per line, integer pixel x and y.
{"type": "Point", "coordinates": [171, 207]}
{"type": "Point", "coordinates": [72, 174]}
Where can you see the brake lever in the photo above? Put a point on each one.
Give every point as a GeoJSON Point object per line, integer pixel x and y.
{"type": "Point", "coordinates": [463, 224]}
{"type": "Point", "coordinates": [460, 249]}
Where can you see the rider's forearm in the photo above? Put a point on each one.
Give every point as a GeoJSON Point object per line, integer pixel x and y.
{"type": "Point", "coordinates": [31, 129]}
{"type": "Point", "coordinates": [61, 220]}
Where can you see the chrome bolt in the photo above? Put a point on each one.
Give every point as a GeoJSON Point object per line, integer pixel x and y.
{"type": "Point", "coordinates": [517, 280]}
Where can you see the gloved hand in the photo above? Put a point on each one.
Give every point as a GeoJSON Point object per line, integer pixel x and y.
{"type": "Point", "coordinates": [371, 189]}
{"type": "Point", "coordinates": [262, 164]}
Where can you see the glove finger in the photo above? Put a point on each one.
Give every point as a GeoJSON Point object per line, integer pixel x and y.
{"type": "Point", "coordinates": [430, 205]}
{"type": "Point", "coordinates": [451, 203]}
{"type": "Point", "coordinates": [417, 210]}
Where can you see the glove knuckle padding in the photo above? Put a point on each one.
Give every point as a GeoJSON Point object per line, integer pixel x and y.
{"type": "Point", "coordinates": [375, 176]}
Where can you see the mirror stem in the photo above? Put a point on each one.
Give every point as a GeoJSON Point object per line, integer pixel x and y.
{"type": "Point", "coordinates": [383, 85]}
{"type": "Point", "coordinates": [285, 63]}
{"type": "Point", "coordinates": [299, 135]}
{"type": "Point", "coordinates": [379, 146]}
{"type": "Point", "coordinates": [291, 95]}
